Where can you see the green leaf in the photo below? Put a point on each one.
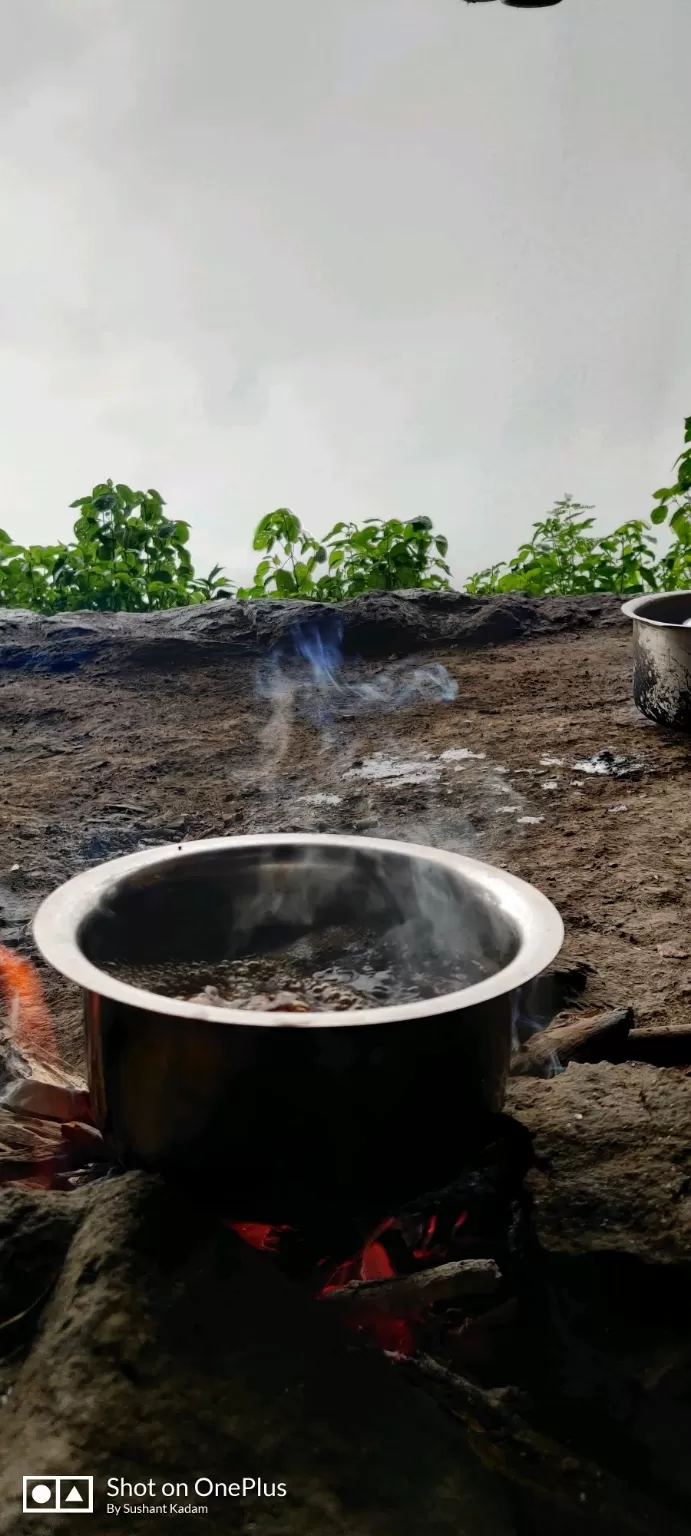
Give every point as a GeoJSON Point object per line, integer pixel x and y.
{"type": "Point", "coordinates": [442, 544]}
{"type": "Point", "coordinates": [680, 524]}
{"type": "Point", "coordinates": [289, 526]}
{"type": "Point", "coordinates": [263, 532]}
{"type": "Point", "coordinates": [285, 583]}
{"type": "Point", "coordinates": [363, 538]}
{"type": "Point", "coordinates": [658, 515]}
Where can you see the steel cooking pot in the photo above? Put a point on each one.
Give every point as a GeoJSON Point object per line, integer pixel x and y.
{"type": "Point", "coordinates": [662, 656]}
{"type": "Point", "coordinates": [338, 1103]}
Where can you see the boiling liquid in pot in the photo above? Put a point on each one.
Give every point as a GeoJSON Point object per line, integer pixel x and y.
{"type": "Point", "coordinates": [333, 971]}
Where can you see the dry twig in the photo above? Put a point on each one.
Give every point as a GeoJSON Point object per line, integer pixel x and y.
{"type": "Point", "coordinates": [408, 1295]}
{"type": "Point", "coordinates": [576, 1495]}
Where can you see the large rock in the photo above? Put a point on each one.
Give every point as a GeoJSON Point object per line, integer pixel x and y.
{"type": "Point", "coordinates": [168, 1351]}
{"type": "Point", "coordinates": [610, 1215]}
{"type": "Point", "coordinates": [382, 624]}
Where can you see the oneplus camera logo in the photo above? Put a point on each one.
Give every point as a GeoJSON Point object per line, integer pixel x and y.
{"type": "Point", "coordinates": [58, 1495]}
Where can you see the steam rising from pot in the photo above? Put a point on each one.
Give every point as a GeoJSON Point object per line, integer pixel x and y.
{"type": "Point", "coordinates": [414, 908]}
{"type": "Point", "coordinates": [391, 928]}
{"type": "Point", "coordinates": [406, 923]}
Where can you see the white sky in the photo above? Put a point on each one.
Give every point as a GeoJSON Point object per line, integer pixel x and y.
{"type": "Point", "coordinates": [356, 257]}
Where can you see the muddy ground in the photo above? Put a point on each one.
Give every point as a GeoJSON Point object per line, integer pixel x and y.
{"type": "Point", "coordinates": [527, 752]}
{"type": "Point", "coordinates": [112, 755]}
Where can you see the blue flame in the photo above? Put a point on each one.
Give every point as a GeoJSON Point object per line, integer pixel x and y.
{"type": "Point", "coordinates": [321, 646]}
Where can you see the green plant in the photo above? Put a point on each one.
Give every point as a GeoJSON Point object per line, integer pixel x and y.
{"type": "Point", "coordinates": [550, 561]}
{"type": "Point", "coordinates": [380, 556]}
{"type": "Point", "coordinates": [126, 555]}
{"type": "Point", "coordinates": [386, 556]}
{"type": "Point", "coordinates": [26, 575]}
{"type": "Point", "coordinates": [563, 556]}
{"type": "Point", "coordinates": [674, 502]}
{"type": "Point", "coordinates": [292, 555]}
{"type": "Point", "coordinates": [623, 561]}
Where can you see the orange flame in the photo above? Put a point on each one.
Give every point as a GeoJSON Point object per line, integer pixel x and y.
{"type": "Point", "coordinates": [30, 1023]}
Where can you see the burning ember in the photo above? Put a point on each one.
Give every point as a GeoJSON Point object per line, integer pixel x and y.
{"type": "Point", "coordinates": [447, 1250]}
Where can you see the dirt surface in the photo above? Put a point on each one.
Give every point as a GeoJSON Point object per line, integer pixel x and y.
{"type": "Point", "coordinates": [115, 755]}
{"type": "Point", "coordinates": [162, 1345]}
{"type": "Point", "coordinates": [613, 1149]}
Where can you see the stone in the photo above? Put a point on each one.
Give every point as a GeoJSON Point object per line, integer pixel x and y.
{"type": "Point", "coordinates": [379, 625]}
{"type": "Point", "coordinates": [610, 1216]}
{"type": "Point", "coordinates": [170, 1351]}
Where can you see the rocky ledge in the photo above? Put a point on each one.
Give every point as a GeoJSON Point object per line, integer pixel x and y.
{"type": "Point", "coordinates": [381, 624]}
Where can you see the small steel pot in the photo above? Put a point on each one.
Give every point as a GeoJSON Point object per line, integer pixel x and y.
{"type": "Point", "coordinates": [334, 1103]}
{"type": "Point", "coordinates": [662, 657]}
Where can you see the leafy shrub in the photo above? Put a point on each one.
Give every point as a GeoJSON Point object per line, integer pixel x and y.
{"type": "Point", "coordinates": [674, 501]}
{"type": "Point", "coordinates": [126, 555]}
{"type": "Point", "coordinates": [379, 556]}
{"type": "Point", "coordinates": [563, 556]}
{"type": "Point", "coordinates": [287, 569]}
{"type": "Point", "coordinates": [26, 575]}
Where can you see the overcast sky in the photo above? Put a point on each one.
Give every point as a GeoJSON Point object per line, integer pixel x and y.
{"type": "Point", "coordinates": [357, 257]}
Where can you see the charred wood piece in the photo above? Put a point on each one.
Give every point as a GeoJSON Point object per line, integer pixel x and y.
{"type": "Point", "coordinates": [408, 1295]}
{"type": "Point", "coordinates": [601, 1038]}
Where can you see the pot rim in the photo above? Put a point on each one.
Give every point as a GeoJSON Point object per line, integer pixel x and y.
{"type": "Point", "coordinates": [634, 603]}
{"type": "Point", "coordinates": [59, 918]}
